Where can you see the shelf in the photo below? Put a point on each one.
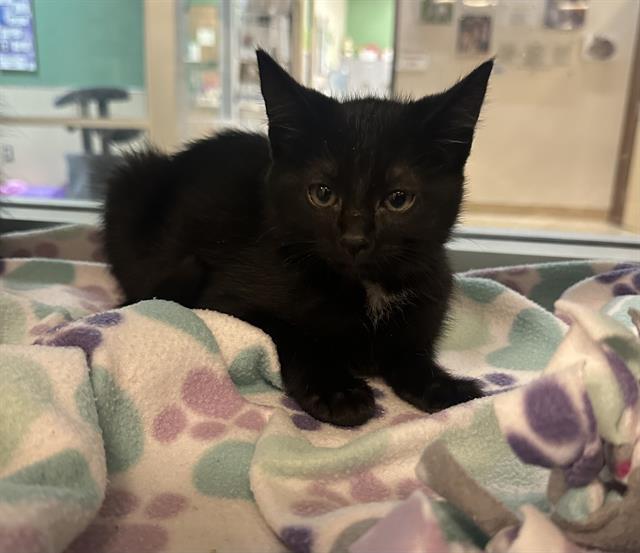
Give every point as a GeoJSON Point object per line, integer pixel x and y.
{"type": "Point", "coordinates": [75, 122]}
{"type": "Point", "coordinates": [52, 210]}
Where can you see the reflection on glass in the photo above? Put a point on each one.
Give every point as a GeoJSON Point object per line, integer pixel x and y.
{"type": "Point", "coordinates": [339, 47]}
{"type": "Point", "coordinates": [549, 147]}
{"type": "Point", "coordinates": [222, 84]}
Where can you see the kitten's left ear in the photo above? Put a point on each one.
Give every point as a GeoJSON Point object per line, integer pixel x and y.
{"type": "Point", "coordinates": [448, 120]}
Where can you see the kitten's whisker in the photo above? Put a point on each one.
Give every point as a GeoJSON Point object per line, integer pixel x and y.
{"type": "Point", "coordinates": [449, 141]}
{"type": "Point", "coordinates": [266, 232]}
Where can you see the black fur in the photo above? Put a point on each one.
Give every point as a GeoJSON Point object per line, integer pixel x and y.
{"type": "Point", "coordinates": [228, 224]}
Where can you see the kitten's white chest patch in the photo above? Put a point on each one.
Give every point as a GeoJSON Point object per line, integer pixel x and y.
{"type": "Point", "coordinates": [381, 303]}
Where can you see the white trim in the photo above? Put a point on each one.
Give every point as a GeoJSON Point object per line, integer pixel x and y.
{"type": "Point", "coordinates": [47, 210]}
{"type": "Point", "coordinates": [466, 252]}
{"type": "Point", "coordinates": [539, 250]}
{"type": "Point", "coordinates": [547, 236]}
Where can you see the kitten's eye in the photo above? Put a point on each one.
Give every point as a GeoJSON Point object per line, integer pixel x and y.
{"type": "Point", "coordinates": [399, 200]}
{"type": "Point", "coordinates": [321, 195]}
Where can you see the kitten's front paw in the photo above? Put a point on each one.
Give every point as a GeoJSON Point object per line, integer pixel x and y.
{"type": "Point", "coordinates": [448, 391]}
{"type": "Point", "coordinates": [441, 392]}
{"type": "Point", "coordinates": [348, 403]}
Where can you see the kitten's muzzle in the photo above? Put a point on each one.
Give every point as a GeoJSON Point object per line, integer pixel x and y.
{"type": "Point", "coordinates": [355, 244]}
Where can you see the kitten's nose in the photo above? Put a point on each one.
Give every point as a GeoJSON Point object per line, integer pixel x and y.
{"type": "Point", "coordinates": [354, 243]}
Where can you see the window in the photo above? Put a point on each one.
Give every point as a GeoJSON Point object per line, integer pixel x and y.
{"type": "Point", "coordinates": [556, 161]}
{"type": "Point", "coordinates": [64, 121]}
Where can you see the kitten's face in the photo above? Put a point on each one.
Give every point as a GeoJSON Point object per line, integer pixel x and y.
{"type": "Point", "coordinates": [370, 186]}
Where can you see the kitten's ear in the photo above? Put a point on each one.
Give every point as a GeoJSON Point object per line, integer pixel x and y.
{"type": "Point", "coordinates": [448, 120]}
{"type": "Point", "coordinates": [290, 106]}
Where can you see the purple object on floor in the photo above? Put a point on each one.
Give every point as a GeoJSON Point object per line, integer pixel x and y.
{"type": "Point", "coordinates": [23, 189]}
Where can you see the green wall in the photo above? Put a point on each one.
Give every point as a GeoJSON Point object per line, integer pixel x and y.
{"type": "Point", "coordinates": [371, 22]}
{"type": "Point", "coordinates": [86, 43]}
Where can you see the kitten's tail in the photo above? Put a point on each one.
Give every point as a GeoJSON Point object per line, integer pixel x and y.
{"type": "Point", "coordinates": [141, 191]}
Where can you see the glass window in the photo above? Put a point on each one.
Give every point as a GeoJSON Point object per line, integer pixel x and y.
{"type": "Point", "coordinates": [556, 152]}
{"type": "Point", "coordinates": [71, 105]}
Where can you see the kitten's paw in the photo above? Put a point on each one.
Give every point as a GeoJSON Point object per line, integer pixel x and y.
{"type": "Point", "coordinates": [446, 392]}
{"type": "Point", "coordinates": [350, 404]}
{"type": "Point", "coordinates": [442, 392]}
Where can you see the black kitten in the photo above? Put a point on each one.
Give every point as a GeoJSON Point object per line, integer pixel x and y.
{"type": "Point", "coordinates": [329, 235]}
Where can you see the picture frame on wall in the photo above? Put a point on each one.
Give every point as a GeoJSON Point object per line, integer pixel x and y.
{"type": "Point", "coordinates": [436, 12]}
{"type": "Point", "coordinates": [474, 34]}
{"type": "Point", "coordinates": [565, 15]}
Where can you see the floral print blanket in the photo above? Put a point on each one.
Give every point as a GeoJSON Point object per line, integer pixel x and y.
{"type": "Point", "coordinates": [155, 428]}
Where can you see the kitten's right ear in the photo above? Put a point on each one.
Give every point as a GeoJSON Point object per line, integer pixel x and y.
{"type": "Point", "coordinates": [290, 106]}
{"type": "Point", "coordinates": [448, 120]}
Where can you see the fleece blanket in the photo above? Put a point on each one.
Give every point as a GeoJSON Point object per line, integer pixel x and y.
{"type": "Point", "coordinates": [155, 428]}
